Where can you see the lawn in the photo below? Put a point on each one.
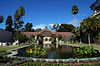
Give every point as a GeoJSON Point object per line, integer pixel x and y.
{"type": "Point", "coordinates": [78, 45]}
{"type": "Point", "coordinates": [9, 48]}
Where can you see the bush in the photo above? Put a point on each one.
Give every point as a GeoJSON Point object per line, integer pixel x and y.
{"type": "Point", "coordinates": [8, 52]}
{"type": "Point", "coordinates": [43, 60]}
{"type": "Point", "coordinates": [7, 64]}
{"type": "Point", "coordinates": [37, 60]}
{"type": "Point", "coordinates": [73, 60]}
{"type": "Point", "coordinates": [54, 61]}
{"type": "Point", "coordinates": [60, 61]}
{"type": "Point", "coordinates": [62, 39]}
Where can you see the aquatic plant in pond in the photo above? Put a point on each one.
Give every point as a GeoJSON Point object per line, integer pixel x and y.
{"type": "Point", "coordinates": [38, 52]}
{"type": "Point", "coordinates": [85, 51]}
{"type": "Point", "coordinates": [62, 52]}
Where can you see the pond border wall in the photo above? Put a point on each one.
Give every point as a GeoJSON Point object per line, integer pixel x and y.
{"type": "Point", "coordinates": [58, 60]}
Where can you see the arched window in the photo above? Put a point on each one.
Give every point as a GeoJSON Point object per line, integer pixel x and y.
{"type": "Point", "coordinates": [46, 39]}
{"type": "Point", "coordinates": [50, 39]}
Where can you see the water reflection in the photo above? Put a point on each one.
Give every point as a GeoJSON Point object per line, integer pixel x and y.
{"type": "Point", "coordinates": [54, 52]}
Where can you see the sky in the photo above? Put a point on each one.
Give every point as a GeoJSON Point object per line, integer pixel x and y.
{"type": "Point", "coordinates": [46, 12]}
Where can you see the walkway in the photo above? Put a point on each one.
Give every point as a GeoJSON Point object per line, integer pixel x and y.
{"type": "Point", "coordinates": [6, 46]}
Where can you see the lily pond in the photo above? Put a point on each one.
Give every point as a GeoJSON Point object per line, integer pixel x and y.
{"type": "Point", "coordinates": [62, 52]}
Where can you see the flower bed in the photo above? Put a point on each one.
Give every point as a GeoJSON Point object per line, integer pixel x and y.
{"type": "Point", "coordinates": [29, 62]}
{"type": "Point", "coordinates": [23, 61]}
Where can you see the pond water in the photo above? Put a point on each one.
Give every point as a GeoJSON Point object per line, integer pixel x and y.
{"type": "Point", "coordinates": [62, 52]}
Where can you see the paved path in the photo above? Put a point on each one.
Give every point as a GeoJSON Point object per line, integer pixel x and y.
{"type": "Point", "coordinates": [6, 46]}
{"type": "Point", "coordinates": [9, 46]}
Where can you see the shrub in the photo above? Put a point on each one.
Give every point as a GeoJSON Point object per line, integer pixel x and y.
{"type": "Point", "coordinates": [60, 61]}
{"type": "Point", "coordinates": [11, 58]}
{"type": "Point", "coordinates": [8, 52]}
{"type": "Point", "coordinates": [37, 60]}
{"type": "Point", "coordinates": [43, 60]}
{"type": "Point", "coordinates": [7, 64]}
{"type": "Point", "coordinates": [73, 60]}
{"type": "Point", "coordinates": [65, 61]}
{"type": "Point", "coordinates": [54, 61]}
{"type": "Point", "coordinates": [98, 59]}
{"type": "Point", "coordinates": [19, 59]}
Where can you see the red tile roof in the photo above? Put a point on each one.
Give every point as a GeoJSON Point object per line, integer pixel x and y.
{"type": "Point", "coordinates": [45, 31]}
{"type": "Point", "coordinates": [28, 34]}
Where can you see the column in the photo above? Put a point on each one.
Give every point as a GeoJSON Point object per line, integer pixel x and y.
{"type": "Point", "coordinates": [57, 45]}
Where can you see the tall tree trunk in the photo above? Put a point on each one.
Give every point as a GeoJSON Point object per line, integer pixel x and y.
{"type": "Point", "coordinates": [75, 22]}
{"type": "Point", "coordinates": [89, 38]}
{"type": "Point", "coordinates": [75, 26]}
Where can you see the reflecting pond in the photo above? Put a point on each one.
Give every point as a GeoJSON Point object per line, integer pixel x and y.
{"type": "Point", "coordinates": [62, 52]}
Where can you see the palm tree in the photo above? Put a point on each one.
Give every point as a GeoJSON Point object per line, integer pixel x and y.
{"type": "Point", "coordinates": [90, 26]}
{"type": "Point", "coordinates": [1, 18]}
{"type": "Point", "coordinates": [75, 11]}
{"type": "Point", "coordinates": [95, 6]}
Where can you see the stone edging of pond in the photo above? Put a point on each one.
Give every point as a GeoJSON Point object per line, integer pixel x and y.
{"type": "Point", "coordinates": [58, 60]}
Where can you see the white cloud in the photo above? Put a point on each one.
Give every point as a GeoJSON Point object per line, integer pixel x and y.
{"type": "Point", "coordinates": [59, 23]}
{"type": "Point", "coordinates": [42, 26]}
{"type": "Point", "coordinates": [78, 15]}
{"type": "Point", "coordinates": [51, 25]}
{"type": "Point", "coordinates": [73, 22]}
{"type": "Point", "coordinates": [83, 14]}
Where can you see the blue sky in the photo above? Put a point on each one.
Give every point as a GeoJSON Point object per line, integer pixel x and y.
{"type": "Point", "coordinates": [46, 12]}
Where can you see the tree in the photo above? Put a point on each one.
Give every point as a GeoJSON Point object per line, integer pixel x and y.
{"type": "Point", "coordinates": [53, 38]}
{"type": "Point", "coordinates": [90, 27]}
{"type": "Point", "coordinates": [21, 38]}
{"type": "Point", "coordinates": [18, 22]}
{"type": "Point", "coordinates": [95, 6]}
{"type": "Point", "coordinates": [28, 27]}
{"type": "Point", "coordinates": [32, 37]}
{"type": "Point", "coordinates": [55, 27]}
{"type": "Point", "coordinates": [73, 38]}
{"type": "Point", "coordinates": [75, 11]}
{"type": "Point", "coordinates": [39, 29]}
{"type": "Point", "coordinates": [40, 38]}
{"type": "Point", "coordinates": [77, 33]}
{"type": "Point", "coordinates": [63, 27]}
{"type": "Point", "coordinates": [1, 18]}
{"type": "Point", "coordinates": [59, 37]}
{"type": "Point", "coordinates": [9, 23]}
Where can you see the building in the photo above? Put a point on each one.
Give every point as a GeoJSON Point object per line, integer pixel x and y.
{"type": "Point", "coordinates": [5, 36]}
{"type": "Point", "coordinates": [46, 33]}
{"type": "Point", "coordinates": [96, 14]}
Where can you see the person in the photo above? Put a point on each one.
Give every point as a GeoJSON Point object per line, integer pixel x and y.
{"type": "Point", "coordinates": [7, 43]}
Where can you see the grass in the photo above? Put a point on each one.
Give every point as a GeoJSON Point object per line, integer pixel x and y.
{"type": "Point", "coordinates": [97, 47]}
{"type": "Point", "coordinates": [78, 45]}
{"type": "Point", "coordinates": [9, 48]}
